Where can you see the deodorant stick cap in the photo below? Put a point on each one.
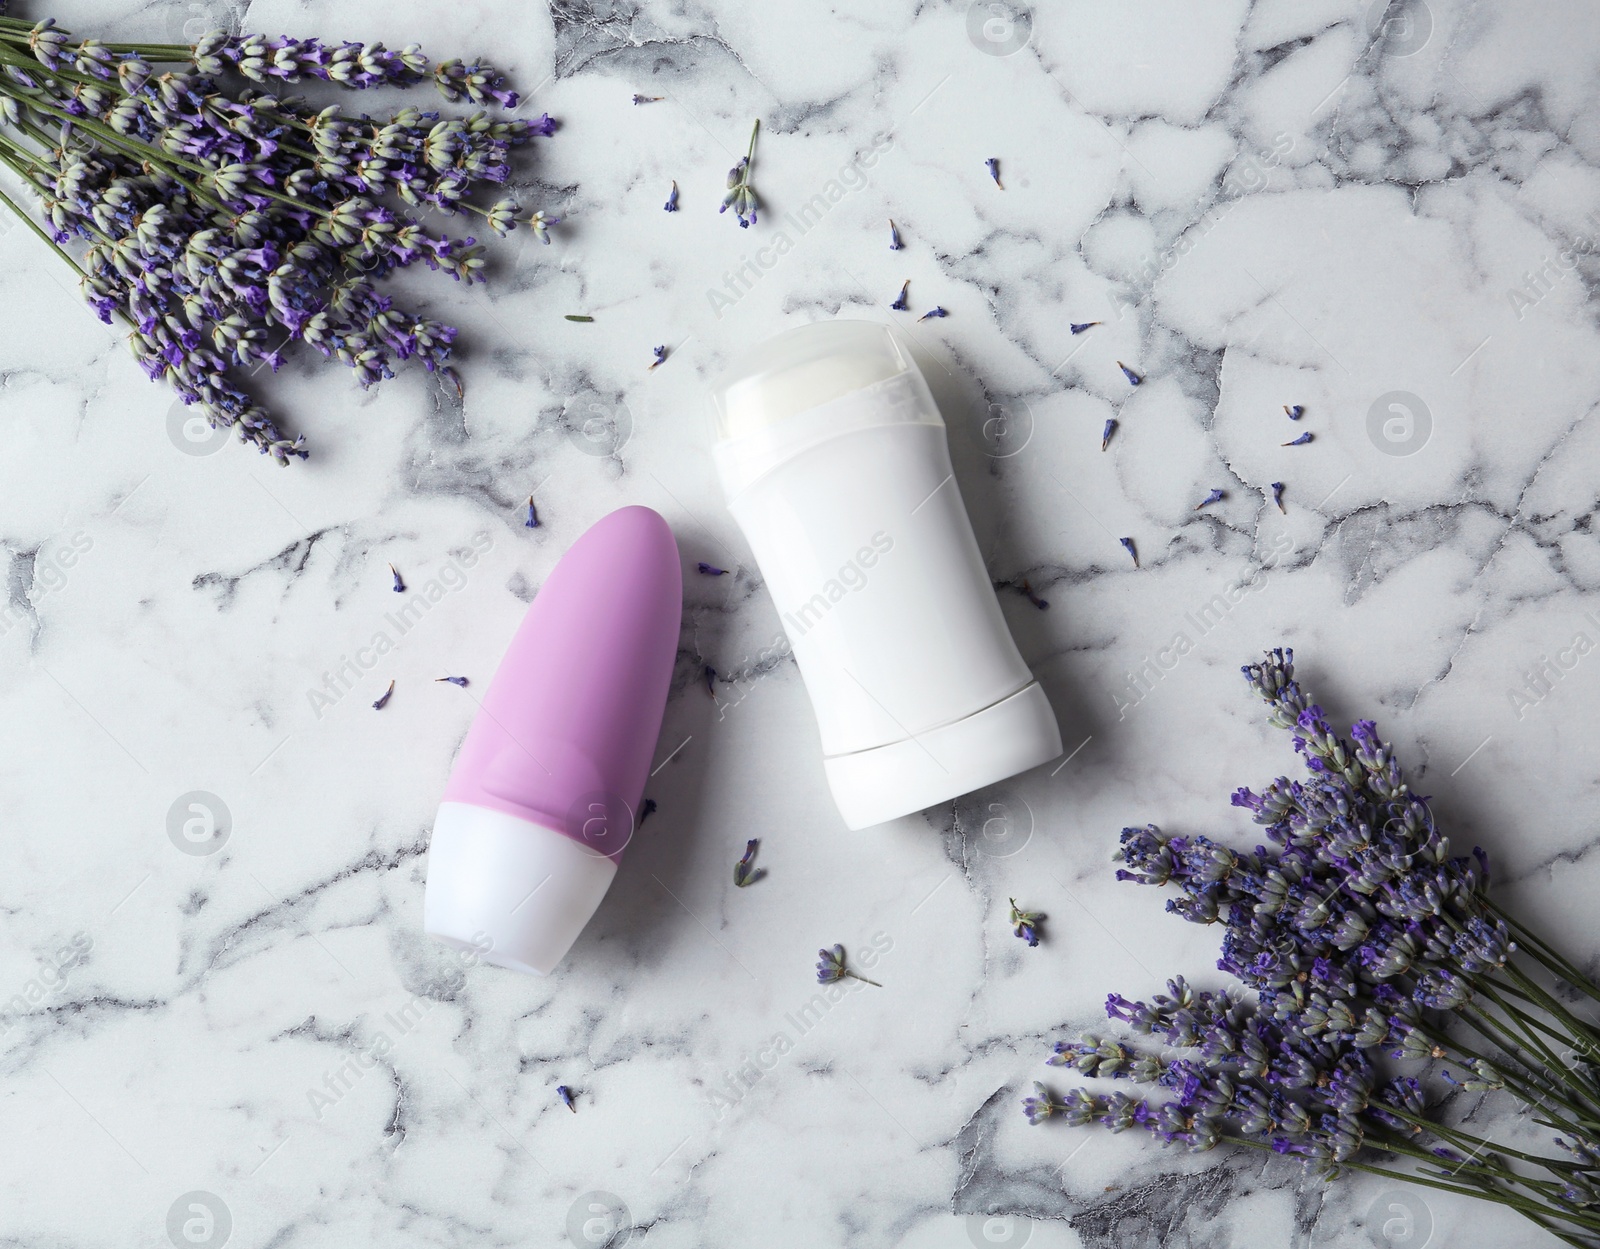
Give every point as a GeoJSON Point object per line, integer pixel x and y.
{"type": "Point", "coordinates": [544, 793]}
{"type": "Point", "coordinates": [800, 369]}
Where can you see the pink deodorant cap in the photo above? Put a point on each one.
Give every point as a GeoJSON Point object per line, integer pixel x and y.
{"type": "Point", "coordinates": [545, 792]}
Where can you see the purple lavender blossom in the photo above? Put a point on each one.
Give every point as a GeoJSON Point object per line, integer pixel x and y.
{"type": "Point", "coordinates": [220, 226]}
{"type": "Point", "coordinates": [1025, 924]}
{"type": "Point", "coordinates": [1357, 937]}
{"type": "Point", "coordinates": [744, 871]}
{"type": "Point", "coordinates": [741, 196]}
{"type": "Point", "coordinates": [833, 966]}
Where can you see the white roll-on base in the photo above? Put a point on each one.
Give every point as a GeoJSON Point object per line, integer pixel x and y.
{"type": "Point", "coordinates": [515, 892]}
{"type": "Point", "coordinates": [1011, 736]}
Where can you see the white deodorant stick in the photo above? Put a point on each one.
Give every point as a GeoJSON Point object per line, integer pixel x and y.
{"type": "Point", "coordinates": [833, 457]}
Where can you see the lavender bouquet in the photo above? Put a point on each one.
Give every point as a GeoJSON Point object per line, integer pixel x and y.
{"type": "Point", "coordinates": [220, 222]}
{"type": "Point", "coordinates": [1380, 983]}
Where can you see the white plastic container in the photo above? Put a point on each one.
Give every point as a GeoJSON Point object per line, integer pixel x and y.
{"type": "Point", "coordinates": [833, 457]}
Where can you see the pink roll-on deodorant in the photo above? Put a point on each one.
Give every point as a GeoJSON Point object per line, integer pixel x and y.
{"type": "Point", "coordinates": [545, 791]}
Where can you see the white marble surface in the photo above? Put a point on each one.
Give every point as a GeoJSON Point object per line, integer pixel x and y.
{"type": "Point", "coordinates": [1262, 202]}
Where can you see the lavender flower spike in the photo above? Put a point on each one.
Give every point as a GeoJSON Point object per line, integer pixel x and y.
{"type": "Point", "coordinates": [900, 304]}
{"type": "Point", "coordinates": [1134, 379]}
{"type": "Point", "coordinates": [1356, 937]}
{"type": "Point", "coordinates": [741, 195]}
{"type": "Point", "coordinates": [894, 236]}
{"type": "Point", "coordinates": [1025, 923]}
{"type": "Point", "coordinates": [1277, 495]}
{"type": "Point", "coordinates": [832, 966]}
{"type": "Point", "coordinates": [1133, 554]}
{"type": "Point", "coordinates": [1105, 434]}
{"type": "Point", "coordinates": [932, 313]}
{"type": "Point", "coordinates": [1042, 1105]}
{"type": "Point", "coordinates": [744, 871]}
{"type": "Point", "coordinates": [1300, 441]}
{"type": "Point", "coordinates": [1214, 497]}
{"type": "Point", "coordinates": [218, 225]}
{"type": "Point", "coordinates": [671, 205]}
